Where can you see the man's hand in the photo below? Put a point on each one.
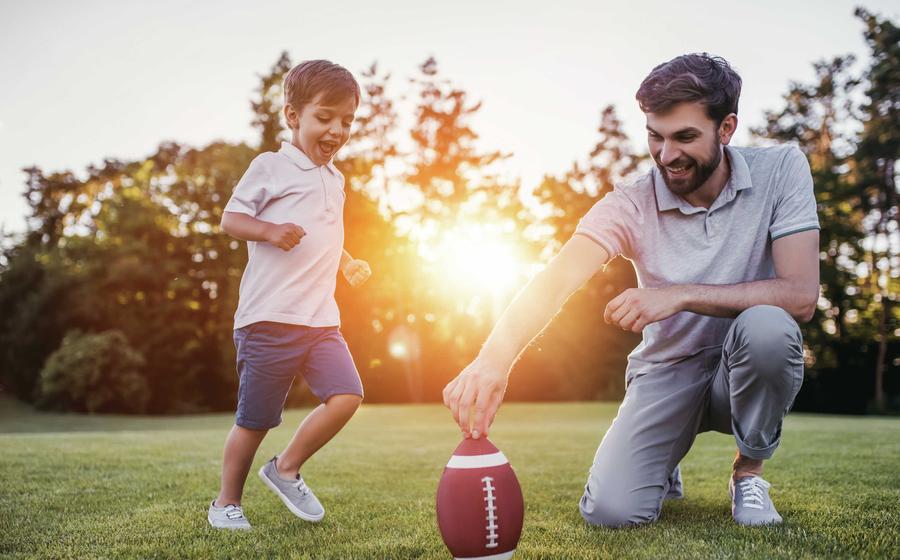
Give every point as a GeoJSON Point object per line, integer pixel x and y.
{"type": "Point", "coordinates": [635, 308]}
{"type": "Point", "coordinates": [481, 387]}
{"type": "Point", "coordinates": [356, 271]}
{"type": "Point", "coordinates": [284, 236]}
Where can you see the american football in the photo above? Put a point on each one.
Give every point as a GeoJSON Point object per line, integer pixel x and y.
{"type": "Point", "coordinates": [479, 503]}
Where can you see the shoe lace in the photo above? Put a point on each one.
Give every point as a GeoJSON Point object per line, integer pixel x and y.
{"type": "Point", "coordinates": [234, 512]}
{"type": "Point", "coordinates": [301, 487]}
{"type": "Point", "coordinates": [753, 491]}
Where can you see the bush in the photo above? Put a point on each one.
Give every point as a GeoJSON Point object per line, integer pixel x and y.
{"type": "Point", "coordinates": [94, 373]}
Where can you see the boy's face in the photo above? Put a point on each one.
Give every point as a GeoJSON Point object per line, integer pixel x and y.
{"type": "Point", "coordinates": [320, 130]}
{"type": "Point", "coordinates": [687, 145]}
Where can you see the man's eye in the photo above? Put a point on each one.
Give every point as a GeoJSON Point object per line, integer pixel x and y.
{"type": "Point", "coordinates": [322, 120]}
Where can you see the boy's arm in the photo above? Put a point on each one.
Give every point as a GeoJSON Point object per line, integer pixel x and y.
{"type": "Point", "coordinates": [483, 382]}
{"type": "Point", "coordinates": [356, 271]}
{"type": "Point", "coordinates": [247, 228]}
{"type": "Point", "coordinates": [345, 258]}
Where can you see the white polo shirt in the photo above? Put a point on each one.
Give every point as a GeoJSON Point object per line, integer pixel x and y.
{"type": "Point", "coordinates": [296, 286]}
{"type": "Point", "coordinates": [769, 195]}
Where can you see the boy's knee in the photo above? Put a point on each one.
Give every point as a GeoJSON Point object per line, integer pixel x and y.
{"type": "Point", "coordinates": [345, 402]}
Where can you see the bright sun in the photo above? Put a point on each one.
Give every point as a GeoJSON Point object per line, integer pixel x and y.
{"type": "Point", "coordinates": [476, 258]}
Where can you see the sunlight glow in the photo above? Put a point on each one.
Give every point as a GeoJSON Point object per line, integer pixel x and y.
{"type": "Point", "coordinates": [475, 258]}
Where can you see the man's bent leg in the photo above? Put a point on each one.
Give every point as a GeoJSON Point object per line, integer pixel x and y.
{"type": "Point", "coordinates": [654, 429]}
{"type": "Point", "coordinates": [757, 379]}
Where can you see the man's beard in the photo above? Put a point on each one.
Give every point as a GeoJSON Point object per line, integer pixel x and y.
{"type": "Point", "coordinates": [699, 171]}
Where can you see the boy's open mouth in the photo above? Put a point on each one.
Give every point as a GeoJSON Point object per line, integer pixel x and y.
{"type": "Point", "coordinates": [327, 148]}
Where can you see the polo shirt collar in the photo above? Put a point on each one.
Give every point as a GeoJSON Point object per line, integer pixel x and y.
{"type": "Point", "coordinates": [737, 181]}
{"type": "Point", "coordinates": [302, 160]}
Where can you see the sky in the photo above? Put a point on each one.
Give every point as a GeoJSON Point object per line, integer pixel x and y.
{"type": "Point", "coordinates": [85, 81]}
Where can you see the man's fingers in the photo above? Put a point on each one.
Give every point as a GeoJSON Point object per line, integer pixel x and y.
{"type": "Point", "coordinates": [619, 314]}
{"type": "Point", "coordinates": [482, 412]}
{"type": "Point", "coordinates": [612, 306]}
{"type": "Point", "coordinates": [629, 319]}
{"type": "Point", "coordinates": [448, 390]}
{"type": "Point", "coordinates": [465, 407]}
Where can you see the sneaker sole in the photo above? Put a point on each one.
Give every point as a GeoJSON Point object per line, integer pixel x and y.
{"type": "Point", "coordinates": [286, 502]}
{"type": "Point", "coordinates": [211, 524]}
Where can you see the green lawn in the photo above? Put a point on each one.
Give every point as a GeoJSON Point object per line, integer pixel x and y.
{"type": "Point", "coordinates": [116, 487]}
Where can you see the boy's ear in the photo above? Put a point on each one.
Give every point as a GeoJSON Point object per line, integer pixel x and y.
{"type": "Point", "coordinates": [291, 116]}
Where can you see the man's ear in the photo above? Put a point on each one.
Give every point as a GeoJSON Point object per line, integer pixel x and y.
{"type": "Point", "coordinates": [727, 128]}
{"type": "Point", "coordinates": [292, 117]}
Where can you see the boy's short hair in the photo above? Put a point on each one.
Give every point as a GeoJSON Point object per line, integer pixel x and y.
{"type": "Point", "coordinates": [697, 77]}
{"type": "Point", "coordinates": [308, 79]}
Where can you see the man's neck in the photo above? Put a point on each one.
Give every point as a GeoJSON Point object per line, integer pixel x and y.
{"type": "Point", "coordinates": [710, 190]}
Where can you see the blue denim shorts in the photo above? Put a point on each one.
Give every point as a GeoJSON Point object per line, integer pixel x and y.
{"type": "Point", "coordinates": [269, 357]}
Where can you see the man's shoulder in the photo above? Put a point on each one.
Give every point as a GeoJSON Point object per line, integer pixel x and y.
{"type": "Point", "coordinates": [639, 189]}
{"type": "Point", "coordinates": [768, 157]}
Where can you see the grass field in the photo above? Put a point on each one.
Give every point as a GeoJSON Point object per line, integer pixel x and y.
{"type": "Point", "coordinates": [125, 487]}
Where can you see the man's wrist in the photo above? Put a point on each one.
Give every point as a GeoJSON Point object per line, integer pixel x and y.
{"type": "Point", "coordinates": [684, 297]}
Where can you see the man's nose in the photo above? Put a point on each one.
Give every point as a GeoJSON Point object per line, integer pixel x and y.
{"type": "Point", "coordinates": [669, 153]}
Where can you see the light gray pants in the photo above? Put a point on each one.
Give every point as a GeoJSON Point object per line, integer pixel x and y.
{"type": "Point", "coordinates": [743, 388]}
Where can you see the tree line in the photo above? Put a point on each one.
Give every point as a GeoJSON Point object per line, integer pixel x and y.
{"type": "Point", "coordinates": [120, 294]}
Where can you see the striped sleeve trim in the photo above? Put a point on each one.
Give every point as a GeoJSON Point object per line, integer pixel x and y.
{"type": "Point", "coordinates": [793, 230]}
{"type": "Point", "coordinates": [610, 252]}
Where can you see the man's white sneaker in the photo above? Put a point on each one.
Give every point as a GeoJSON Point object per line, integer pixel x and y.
{"type": "Point", "coordinates": [230, 516]}
{"type": "Point", "coordinates": [750, 502]}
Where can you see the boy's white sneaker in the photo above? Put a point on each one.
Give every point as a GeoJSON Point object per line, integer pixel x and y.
{"type": "Point", "coordinates": [296, 495]}
{"type": "Point", "coordinates": [230, 516]}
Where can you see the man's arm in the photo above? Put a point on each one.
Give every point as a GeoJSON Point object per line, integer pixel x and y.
{"type": "Point", "coordinates": [483, 382]}
{"type": "Point", "coordinates": [795, 289]}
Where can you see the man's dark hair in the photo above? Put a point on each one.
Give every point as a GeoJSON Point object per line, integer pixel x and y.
{"type": "Point", "coordinates": [698, 77]}
{"type": "Point", "coordinates": [308, 79]}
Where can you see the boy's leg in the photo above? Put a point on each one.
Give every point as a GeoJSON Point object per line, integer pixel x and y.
{"type": "Point", "coordinates": [331, 374]}
{"type": "Point", "coordinates": [268, 359]}
{"type": "Point", "coordinates": [653, 430]}
{"type": "Point", "coordinates": [240, 448]}
{"type": "Point", "coordinates": [317, 429]}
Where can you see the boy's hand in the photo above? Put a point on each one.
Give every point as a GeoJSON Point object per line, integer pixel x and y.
{"type": "Point", "coordinates": [356, 271]}
{"type": "Point", "coordinates": [284, 236]}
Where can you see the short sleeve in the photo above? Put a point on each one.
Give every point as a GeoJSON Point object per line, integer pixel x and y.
{"type": "Point", "coordinates": [253, 190]}
{"type": "Point", "coordinates": [795, 201]}
{"type": "Point", "coordinates": [611, 223]}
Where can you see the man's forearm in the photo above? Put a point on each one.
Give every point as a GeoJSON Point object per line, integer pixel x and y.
{"type": "Point", "coordinates": [798, 299]}
{"type": "Point", "coordinates": [525, 317]}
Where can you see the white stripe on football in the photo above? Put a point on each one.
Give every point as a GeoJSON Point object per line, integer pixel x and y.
{"type": "Point", "coordinates": [477, 461]}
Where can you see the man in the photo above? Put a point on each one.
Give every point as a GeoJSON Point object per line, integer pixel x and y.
{"type": "Point", "coordinates": [725, 245]}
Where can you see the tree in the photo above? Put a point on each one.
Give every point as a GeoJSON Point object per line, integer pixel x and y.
{"type": "Point", "coordinates": [876, 177]}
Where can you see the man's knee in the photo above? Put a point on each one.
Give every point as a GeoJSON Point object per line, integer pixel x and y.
{"type": "Point", "coordinates": [768, 338]}
{"type": "Point", "coordinates": [614, 508]}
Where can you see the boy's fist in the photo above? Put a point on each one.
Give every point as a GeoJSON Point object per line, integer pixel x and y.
{"type": "Point", "coordinates": [284, 236]}
{"type": "Point", "coordinates": [356, 272]}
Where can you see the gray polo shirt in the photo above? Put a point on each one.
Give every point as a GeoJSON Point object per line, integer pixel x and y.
{"type": "Point", "coordinates": [768, 195]}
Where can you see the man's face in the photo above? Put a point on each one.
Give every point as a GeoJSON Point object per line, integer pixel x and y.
{"type": "Point", "coordinates": [320, 129]}
{"type": "Point", "coordinates": [685, 145]}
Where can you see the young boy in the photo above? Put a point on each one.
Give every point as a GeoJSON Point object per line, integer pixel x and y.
{"type": "Point", "coordinates": [288, 206]}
